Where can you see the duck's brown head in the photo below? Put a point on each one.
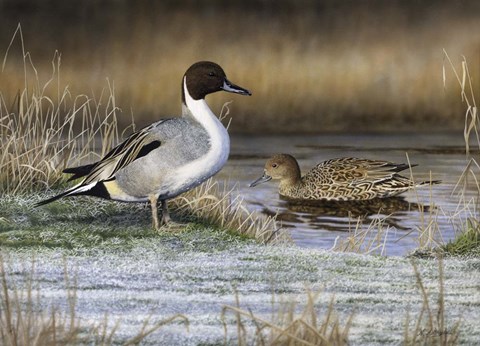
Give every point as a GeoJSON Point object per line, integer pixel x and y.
{"type": "Point", "coordinates": [281, 167]}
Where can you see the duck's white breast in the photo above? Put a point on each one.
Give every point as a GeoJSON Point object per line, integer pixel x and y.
{"type": "Point", "coordinates": [196, 171]}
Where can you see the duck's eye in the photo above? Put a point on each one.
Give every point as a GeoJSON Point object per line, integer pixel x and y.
{"type": "Point", "coordinates": [274, 165]}
{"type": "Point", "coordinates": [211, 74]}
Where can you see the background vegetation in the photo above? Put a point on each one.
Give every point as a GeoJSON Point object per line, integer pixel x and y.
{"type": "Point", "coordinates": [312, 66]}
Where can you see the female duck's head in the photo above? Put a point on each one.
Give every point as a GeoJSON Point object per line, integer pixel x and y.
{"type": "Point", "coordinates": [281, 167]}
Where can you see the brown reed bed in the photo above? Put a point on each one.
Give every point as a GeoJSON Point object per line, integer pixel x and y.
{"type": "Point", "coordinates": [41, 134]}
{"type": "Point", "coordinates": [312, 67]}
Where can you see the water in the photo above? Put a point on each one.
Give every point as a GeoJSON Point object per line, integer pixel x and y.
{"type": "Point", "coordinates": [401, 220]}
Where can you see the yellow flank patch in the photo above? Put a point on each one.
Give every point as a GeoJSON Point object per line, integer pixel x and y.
{"type": "Point", "coordinates": [113, 189]}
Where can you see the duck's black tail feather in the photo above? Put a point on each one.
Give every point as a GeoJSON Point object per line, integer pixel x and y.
{"type": "Point", "coordinates": [52, 199]}
{"type": "Point", "coordinates": [93, 189]}
{"type": "Point", "coordinates": [429, 182]}
{"type": "Point", "coordinates": [79, 172]}
{"type": "Point", "coordinates": [400, 167]}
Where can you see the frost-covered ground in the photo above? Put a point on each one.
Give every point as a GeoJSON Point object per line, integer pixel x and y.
{"type": "Point", "coordinates": [163, 276]}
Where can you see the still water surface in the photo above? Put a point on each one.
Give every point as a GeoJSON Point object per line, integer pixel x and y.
{"type": "Point", "coordinates": [439, 156]}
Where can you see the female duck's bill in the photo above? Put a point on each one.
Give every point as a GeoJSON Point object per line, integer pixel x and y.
{"type": "Point", "coordinates": [263, 179]}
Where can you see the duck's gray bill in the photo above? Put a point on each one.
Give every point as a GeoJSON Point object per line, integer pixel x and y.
{"type": "Point", "coordinates": [232, 88]}
{"type": "Point", "coordinates": [263, 179]}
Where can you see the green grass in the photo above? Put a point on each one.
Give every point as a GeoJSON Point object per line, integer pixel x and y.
{"type": "Point", "coordinates": [466, 244]}
{"type": "Point", "coordinates": [88, 223]}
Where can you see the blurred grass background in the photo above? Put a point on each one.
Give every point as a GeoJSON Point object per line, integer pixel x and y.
{"type": "Point", "coordinates": [313, 66]}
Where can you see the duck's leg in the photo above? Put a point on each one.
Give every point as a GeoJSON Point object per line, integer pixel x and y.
{"type": "Point", "coordinates": [153, 204]}
{"type": "Point", "coordinates": [165, 214]}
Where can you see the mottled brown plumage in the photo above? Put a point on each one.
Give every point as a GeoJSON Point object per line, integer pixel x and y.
{"type": "Point", "coordinates": [342, 179]}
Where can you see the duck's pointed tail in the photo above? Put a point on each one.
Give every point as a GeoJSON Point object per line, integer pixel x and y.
{"type": "Point", "coordinates": [51, 199]}
{"type": "Point", "coordinates": [76, 190]}
{"type": "Point", "coordinates": [429, 182]}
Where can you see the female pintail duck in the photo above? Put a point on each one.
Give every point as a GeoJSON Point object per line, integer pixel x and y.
{"type": "Point", "coordinates": [343, 179]}
{"type": "Point", "coordinates": [167, 158]}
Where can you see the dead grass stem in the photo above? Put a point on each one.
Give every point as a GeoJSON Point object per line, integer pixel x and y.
{"type": "Point", "coordinates": [361, 240]}
{"type": "Point", "coordinates": [431, 327]}
{"type": "Point", "coordinates": [468, 96]}
{"type": "Point", "coordinates": [287, 327]}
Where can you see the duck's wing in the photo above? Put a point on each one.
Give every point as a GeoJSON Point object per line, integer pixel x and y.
{"type": "Point", "coordinates": [359, 179]}
{"type": "Point", "coordinates": [355, 170]}
{"type": "Point", "coordinates": [377, 171]}
{"type": "Point", "coordinates": [137, 145]}
{"type": "Point", "coordinates": [79, 172]}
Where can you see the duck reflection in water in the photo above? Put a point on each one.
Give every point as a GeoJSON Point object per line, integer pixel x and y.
{"type": "Point", "coordinates": [343, 215]}
{"type": "Point", "coordinates": [344, 187]}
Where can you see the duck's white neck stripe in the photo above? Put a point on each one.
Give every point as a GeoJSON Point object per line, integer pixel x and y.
{"type": "Point", "coordinates": [209, 164]}
{"type": "Point", "coordinates": [198, 109]}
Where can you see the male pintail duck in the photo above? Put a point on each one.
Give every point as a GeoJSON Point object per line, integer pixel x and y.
{"type": "Point", "coordinates": [167, 158]}
{"type": "Point", "coordinates": [343, 179]}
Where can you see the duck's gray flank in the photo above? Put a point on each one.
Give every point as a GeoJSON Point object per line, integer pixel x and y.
{"type": "Point", "coordinates": [168, 157]}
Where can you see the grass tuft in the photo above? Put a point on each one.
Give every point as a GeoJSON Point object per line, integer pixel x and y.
{"type": "Point", "coordinates": [367, 240]}
{"type": "Point", "coordinates": [287, 327]}
{"type": "Point", "coordinates": [213, 204]}
{"type": "Point", "coordinates": [466, 244]}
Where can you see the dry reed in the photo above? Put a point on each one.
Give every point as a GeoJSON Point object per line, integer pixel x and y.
{"type": "Point", "coordinates": [468, 97]}
{"type": "Point", "coordinates": [431, 326]}
{"type": "Point", "coordinates": [361, 240]}
{"type": "Point", "coordinates": [287, 327]}
{"type": "Point", "coordinates": [224, 208]}
{"type": "Point", "coordinates": [41, 134]}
